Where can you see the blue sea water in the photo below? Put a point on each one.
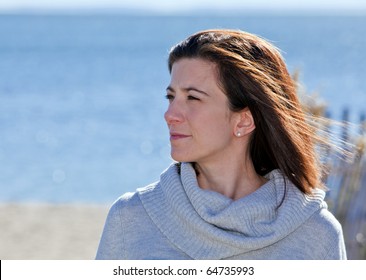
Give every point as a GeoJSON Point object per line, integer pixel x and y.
{"type": "Point", "coordinates": [82, 96]}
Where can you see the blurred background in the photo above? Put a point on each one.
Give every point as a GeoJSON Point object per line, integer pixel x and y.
{"type": "Point", "coordinates": [82, 86]}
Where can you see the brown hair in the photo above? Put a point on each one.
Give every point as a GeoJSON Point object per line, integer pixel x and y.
{"type": "Point", "coordinates": [253, 74]}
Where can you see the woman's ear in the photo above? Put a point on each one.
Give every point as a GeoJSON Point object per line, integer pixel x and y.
{"type": "Point", "coordinates": [245, 124]}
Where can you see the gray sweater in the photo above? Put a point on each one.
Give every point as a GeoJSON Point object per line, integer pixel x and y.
{"type": "Point", "coordinates": [176, 219]}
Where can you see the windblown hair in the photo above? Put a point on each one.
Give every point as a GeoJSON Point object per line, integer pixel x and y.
{"type": "Point", "coordinates": [253, 74]}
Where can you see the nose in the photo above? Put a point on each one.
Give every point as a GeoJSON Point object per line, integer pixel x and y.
{"type": "Point", "coordinates": [173, 114]}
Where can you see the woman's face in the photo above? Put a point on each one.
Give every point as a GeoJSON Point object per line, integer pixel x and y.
{"type": "Point", "coordinates": [200, 123]}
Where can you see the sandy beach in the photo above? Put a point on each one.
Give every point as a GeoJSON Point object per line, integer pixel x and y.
{"type": "Point", "coordinates": [50, 232]}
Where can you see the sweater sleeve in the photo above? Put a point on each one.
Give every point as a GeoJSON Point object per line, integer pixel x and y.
{"type": "Point", "coordinates": [334, 238]}
{"type": "Point", "coordinates": [111, 242]}
{"type": "Point", "coordinates": [338, 250]}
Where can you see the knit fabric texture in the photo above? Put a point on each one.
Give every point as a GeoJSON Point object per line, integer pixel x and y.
{"type": "Point", "coordinates": [176, 219]}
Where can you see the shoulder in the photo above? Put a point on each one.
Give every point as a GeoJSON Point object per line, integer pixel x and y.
{"type": "Point", "coordinates": [125, 215]}
{"type": "Point", "coordinates": [326, 235]}
{"type": "Point", "coordinates": [130, 201]}
{"type": "Point", "coordinates": [324, 221]}
{"type": "Point", "coordinates": [120, 211]}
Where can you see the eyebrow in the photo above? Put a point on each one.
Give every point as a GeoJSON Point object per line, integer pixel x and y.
{"type": "Point", "coordinates": [187, 89]}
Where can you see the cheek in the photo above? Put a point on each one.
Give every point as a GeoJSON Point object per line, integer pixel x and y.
{"type": "Point", "coordinates": [216, 127]}
{"type": "Point", "coordinates": [211, 121]}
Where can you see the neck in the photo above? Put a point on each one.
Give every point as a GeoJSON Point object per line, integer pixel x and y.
{"type": "Point", "coordinates": [232, 180]}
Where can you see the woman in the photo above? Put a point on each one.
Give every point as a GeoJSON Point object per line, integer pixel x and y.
{"type": "Point", "coordinates": [247, 181]}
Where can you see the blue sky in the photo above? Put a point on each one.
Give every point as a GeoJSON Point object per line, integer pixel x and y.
{"type": "Point", "coordinates": [186, 5]}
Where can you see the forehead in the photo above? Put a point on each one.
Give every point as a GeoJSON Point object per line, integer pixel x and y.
{"type": "Point", "coordinates": [194, 70]}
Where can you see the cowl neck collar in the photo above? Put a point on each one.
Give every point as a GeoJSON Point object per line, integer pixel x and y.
{"type": "Point", "coordinates": [208, 225]}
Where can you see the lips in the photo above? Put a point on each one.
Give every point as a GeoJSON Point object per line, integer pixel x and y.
{"type": "Point", "coordinates": [178, 136]}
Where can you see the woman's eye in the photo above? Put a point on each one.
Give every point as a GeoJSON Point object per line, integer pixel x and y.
{"type": "Point", "coordinates": [190, 97]}
{"type": "Point", "coordinates": [169, 97]}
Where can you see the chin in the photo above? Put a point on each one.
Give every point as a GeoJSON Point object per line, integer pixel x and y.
{"type": "Point", "coordinates": [181, 158]}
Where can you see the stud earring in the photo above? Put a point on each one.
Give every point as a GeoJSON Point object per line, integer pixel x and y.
{"type": "Point", "coordinates": [238, 134]}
